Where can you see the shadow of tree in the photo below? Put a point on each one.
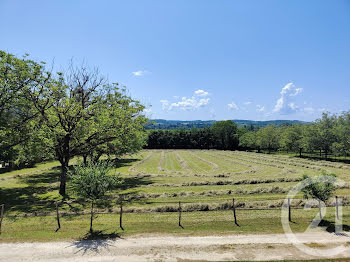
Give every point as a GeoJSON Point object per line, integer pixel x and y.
{"type": "Point", "coordinates": [132, 196]}
{"type": "Point", "coordinates": [45, 177]}
{"type": "Point", "coordinates": [30, 199]}
{"type": "Point", "coordinates": [135, 181]}
{"type": "Point", "coordinates": [26, 199]}
{"type": "Point", "coordinates": [331, 227]}
{"type": "Point", "coordinates": [95, 241]}
{"type": "Point", "coordinates": [317, 158]}
{"type": "Point", "coordinates": [124, 162]}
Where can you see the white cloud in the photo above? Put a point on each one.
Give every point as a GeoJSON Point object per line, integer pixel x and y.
{"type": "Point", "coordinates": [232, 106]}
{"type": "Point", "coordinates": [201, 92]}
{"type": "Point", "coordinates": [247, 103]}
{"type": "Point", "coordinates": [285, 104]}
{"type": "Point", "coordinates": [187, 103]}
{"type": "Point", "coordinates": [140, 73]}
{"type": "Point", "coordinates": [165, 104]}
{"type": "Point", "coordinates": [260, 108]}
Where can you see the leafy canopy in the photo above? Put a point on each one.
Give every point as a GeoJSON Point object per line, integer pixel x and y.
{"type": "Point", "coordinates": [321, 187]}
{"type": "Point", "coordinates": [93, 181]}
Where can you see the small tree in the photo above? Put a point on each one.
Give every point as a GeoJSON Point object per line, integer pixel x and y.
{"type": "Point", "coordinates": [321, 187]}
{"type": "Point", "coordinates": [92, 182]}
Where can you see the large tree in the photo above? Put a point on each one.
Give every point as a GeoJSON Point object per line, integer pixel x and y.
{"type": "Point", "coordinates": [268, 138]}
{"type": "Point", "coordinates": [18, 116]}
{"type": "Point", "coordinates": [342, 134]}
{"type": "Point", "coordinates": [248, 140]}
{"type": "Point", "coordinates": [291, 138]}
{"type": "Point", "coordinates": [225, 133]}
{"type": "Point", "coordinates": [82, 112]}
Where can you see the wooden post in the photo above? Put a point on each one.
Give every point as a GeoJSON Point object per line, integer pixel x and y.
{"type": "Point", "coordinates": [319, 207]}
{"type": "Point", "coordinates": [180, 215]}
{"type": "Point", "coordinates": [289, 211]}
{"type": "Point", "coordinates": [121, 215]}
{"type": "Point", "coordinates": [92, 216]}
{"type": "Point", "coordinates": [234, 211]}
{"type": "Point", "coordinates": [2, 215]}
{"type": "Point", "coordinates": [58, 218]}
{"type": "Point", "coordinates": [336, 206]}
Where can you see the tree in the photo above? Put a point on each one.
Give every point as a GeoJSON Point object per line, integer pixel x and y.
{"type": "Point", "coordinates": [92, 182]}
{"type": "Point", "coordinates": [321, 187]}
{"type": "Point", "coordinates": [248, 140]}
{"type": "Point", "coordinates": [326, 136]}
{"type": "Point", "coordinates": [291, 138]}
{"type": "Point", "coordinates": [341, 144]}
{"type": "Point", "coordinates": [268, 138]}
{"type": "Point", "coordinates": [82, 112]}
{"type": "Point", "coordinates": [17, 113]}
{"type": "Point", "coordinates": [225, 133]}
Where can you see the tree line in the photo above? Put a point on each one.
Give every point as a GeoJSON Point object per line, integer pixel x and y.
{"type": "Point", "coordinates": [329, 134]}
{"type": "Point", "coordinates": [221, 135]}
{"type": "Point", "coordinates": [77, 112]}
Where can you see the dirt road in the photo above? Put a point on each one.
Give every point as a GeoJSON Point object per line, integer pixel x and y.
{"type": "Point", "coordinates": [174, 248]}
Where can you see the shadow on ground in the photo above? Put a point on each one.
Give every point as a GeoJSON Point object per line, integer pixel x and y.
{"type": "Point", "coordinates": [331, 227]}
{"type": "Point", "coordinates": [27, 199]}
{"type": "Point", "coordinates": [95, 241]}
{"type": "Point", "coordinates": [31, 198]}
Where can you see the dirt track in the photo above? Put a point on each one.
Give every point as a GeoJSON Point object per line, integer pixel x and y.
{"type": "Point", "coordinates": [173, 248]}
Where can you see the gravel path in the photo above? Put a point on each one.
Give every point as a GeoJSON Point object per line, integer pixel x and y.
{"type": "Point", "coordinates": [173, 248]}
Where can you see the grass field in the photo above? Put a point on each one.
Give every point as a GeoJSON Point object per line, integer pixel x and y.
{"type": "Point", "coordinates": [205, 181]}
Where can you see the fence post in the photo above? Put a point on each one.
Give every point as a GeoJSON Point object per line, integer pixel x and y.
{"type": "Point", "coordinates": [289, 211]}
{"type": "Point", "coordinates": [234, 211]}
{"type": "Point", "coordinates": [336, 205]}
{"type": "Point", "coordinates": [180, 215]}
{"type": "Point", "coordinates": [58, 218]}
{"type": "Point", "coordinates": [2, 215]}
{"type": "Point", "coordinates": [121, 215]}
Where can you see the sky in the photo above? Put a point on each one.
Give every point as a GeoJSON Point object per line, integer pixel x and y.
{"type": "Point", "coordinates": [198, 59]}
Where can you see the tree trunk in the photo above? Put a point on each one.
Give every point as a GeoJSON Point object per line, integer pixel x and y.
{"type": "Point", "coordinates": [300, 149]}
{"type": "Point", "coordinates": [319, 207]}
{"type": "Point", "coordinates": [92, 215]}
{"type": "Point", "coordinates": [64, 157]}
{"type": "Point", "coordinates": [85, 160]}
{"type": "Point", "coordinates": [326, 153]}
{"type": "Point", "coordinates": [320, 152]}
{"type": "Point", "coordinates": [63, 179]}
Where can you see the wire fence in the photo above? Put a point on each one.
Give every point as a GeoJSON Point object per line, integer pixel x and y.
{"type": "Point", "coordinates": [200, 205]}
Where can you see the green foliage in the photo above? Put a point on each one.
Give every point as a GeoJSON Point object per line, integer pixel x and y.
{"type": "Point", "coordinates": [342, 134]}
{"type": "Point", "coordinates": [269, 138]}
{"type": "Point", "coordinates": [175, 139]}
{"type": "Point", "coordinates": [248, 140]}
{"type": "Point", "coordinates": [291, 138]}
{"type": "Point", "coordinates": [85, 115]}
{"type": "Point", "coordinates": [18, 115]}
{"type": "Point", "coordinates": [225, 133]}
{"type": "Point", "coordinates": [321, 187]}
{"type": "Point", "coordinates": [93, 181]}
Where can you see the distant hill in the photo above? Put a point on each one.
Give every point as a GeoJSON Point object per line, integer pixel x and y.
{"type": "Point", "coordinates": [178, 124]}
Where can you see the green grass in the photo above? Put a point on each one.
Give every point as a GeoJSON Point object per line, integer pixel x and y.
{"type": "Point", "coordinates": [194, 223]}
{"type": "Point", "coordinates": [157, 180]}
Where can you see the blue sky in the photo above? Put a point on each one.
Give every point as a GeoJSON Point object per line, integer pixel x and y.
{"type": "Point", "coordinates": [199, 59]}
